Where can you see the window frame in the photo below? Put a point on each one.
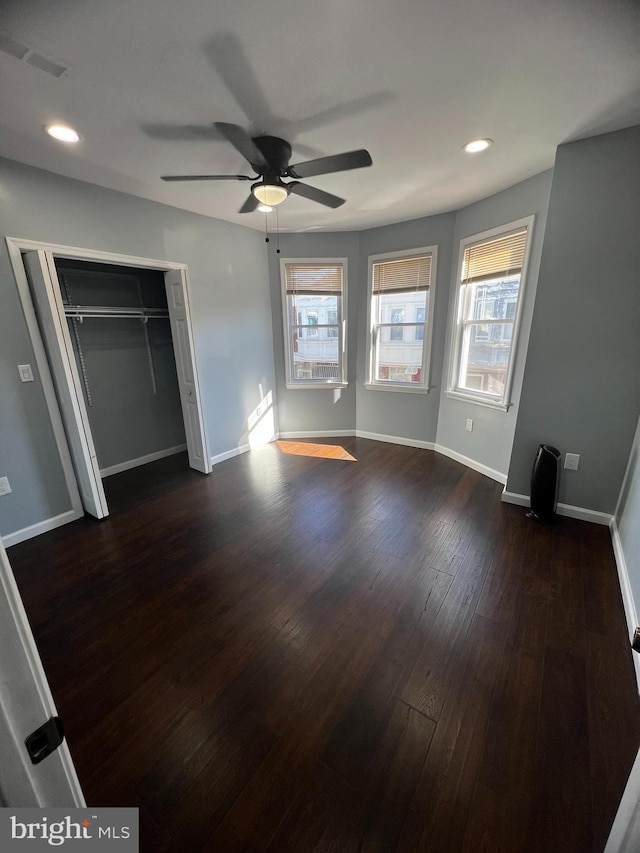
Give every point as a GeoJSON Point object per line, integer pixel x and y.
{"type": "Point", "coordinates": [458, 323]}
{"type": "Point", "coordinates": [372, 383]}
{"type": "Point", "coordinates": [307, 383]}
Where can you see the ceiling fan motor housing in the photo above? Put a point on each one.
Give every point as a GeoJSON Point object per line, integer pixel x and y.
{"type": "Point", "coordinates": [277, 153]}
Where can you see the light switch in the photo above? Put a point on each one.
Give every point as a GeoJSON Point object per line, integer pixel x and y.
{"type": "Point", "coordinates": [25, 373]}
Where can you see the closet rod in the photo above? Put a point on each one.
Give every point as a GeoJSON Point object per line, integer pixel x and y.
{"type": "Point", "coordinates": [106, 311]}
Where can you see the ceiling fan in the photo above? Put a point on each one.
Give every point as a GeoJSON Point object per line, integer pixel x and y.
{"type": "Point", "coordinates": [269, 158]}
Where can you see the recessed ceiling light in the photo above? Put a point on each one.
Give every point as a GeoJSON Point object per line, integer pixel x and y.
{"type": "Point", "coordinates": [62, 132]}
{"type": "Point", "coordinates": [264, 208]}
{"type": "Point", "coordinates": [477, 145]}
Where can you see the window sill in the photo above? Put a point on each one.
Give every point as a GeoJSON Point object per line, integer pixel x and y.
{"type": "Point", "coordinates": [315, 386]}
{"type": "Point", "coordinates": [406, 389]}
{"type": "Point", "coordinates": [479, 401]}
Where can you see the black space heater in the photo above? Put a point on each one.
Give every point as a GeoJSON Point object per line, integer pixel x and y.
{"type": "Point", "coordinates": [545, 481]}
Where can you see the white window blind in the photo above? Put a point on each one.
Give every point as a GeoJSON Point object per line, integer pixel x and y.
{"type": "Point", "coordinates": [498, 258]}
{"type": "Point", "coordinates": [307, 279]}
{"type": "Point", "coordinates": [405, 275]}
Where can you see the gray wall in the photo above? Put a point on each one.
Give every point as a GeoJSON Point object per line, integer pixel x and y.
{"type": "Point", "coordinates": [581, 389]}
{"type": "Point", "coordinates": [301, 410]}
{"type": "Point", "coordinates": [628, 519]}
{"type": "Point", "coordinates": [490, 442]}
{"type": "Point", "coordinates": [406, 415]}
{"type": "Point", "coordinates": [128, 420]}
{"type": "Point", "coordinates": [231, 307]}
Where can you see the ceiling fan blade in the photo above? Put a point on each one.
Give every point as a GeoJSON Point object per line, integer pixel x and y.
{"type": "Point", "coordinates": [243, 143]}
{"type": "Point", "coordinates": [335, 163]}
{"type": "Point", "coordinates": [207, 178]}
{"type": "Point", "coordinates": [250, 204]}
{"type": "Point", "coordinates": [314, 194]}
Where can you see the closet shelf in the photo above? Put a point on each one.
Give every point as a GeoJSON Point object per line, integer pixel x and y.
{"type": "Point", "coordinates": [81, 311]}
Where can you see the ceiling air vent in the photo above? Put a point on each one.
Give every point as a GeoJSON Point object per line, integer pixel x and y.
{"type": "Point", "coordinates": [30, 55]}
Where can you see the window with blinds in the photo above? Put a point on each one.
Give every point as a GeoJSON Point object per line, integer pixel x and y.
{"type": "Point", "coordinates": [313, 306]}
{"type": "Point", "coordinates": [487, 310]}
{"type": "Point", "coordinates": [401, 288]}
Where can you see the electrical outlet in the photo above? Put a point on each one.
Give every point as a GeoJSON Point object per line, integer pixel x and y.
{"type": "Point", "coordinates": [571, 461]}
{"type": "Point", "coordinates": [469, 426]}
{"type": "Point", "coordinates": [5, 488]}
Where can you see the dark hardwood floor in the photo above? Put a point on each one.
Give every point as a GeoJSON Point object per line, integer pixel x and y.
{"type": "Point", "coordinates": [311, 654]}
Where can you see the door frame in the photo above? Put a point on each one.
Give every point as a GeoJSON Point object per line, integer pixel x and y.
{"type": "Point", "coordinates": [16, 246]}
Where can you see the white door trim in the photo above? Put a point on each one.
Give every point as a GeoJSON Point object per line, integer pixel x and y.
{"type": "Point", "coordinates": [179, 304]}
{"type": "Point", "coordinates": [26, 703]}
{"type": "Point", "coordinates": [42, 363]}
{"type": "Point", "coordinates": [45, 290]}
{"type": "Point", "coordinates": [16, 246]}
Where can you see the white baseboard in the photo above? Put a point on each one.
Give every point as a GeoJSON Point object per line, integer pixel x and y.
{"type": "Point", "coordinates": [395, 439]}
{"type": "Point", "coordinates": [625, 588]}
{"type": "Point", "coordinates": [471, 463]}
{"type": "Point", "coordinates": [316, 433]}
{"type": "Point", "coordinates": [514, 498]}
{"type": "Point", "coordinates": [141, 460]}
{"type": "Point", "coordinates": [567, 510]}
{"type": "Point", "coordinates": [41, 527]}
{"type": "Point", "coordinates": [407, 442]}
{"type": "Point", "coordinates": [229, 454]}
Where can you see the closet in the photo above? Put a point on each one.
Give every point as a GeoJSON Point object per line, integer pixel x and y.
{"type": "Point", "coordinates": [118, 323]}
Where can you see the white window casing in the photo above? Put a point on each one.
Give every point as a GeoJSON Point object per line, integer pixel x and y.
{"type": "Point", "coordinates": [490, 283]}
{"type": "Point", "coordinates": [401, 290]}
{"type": "Point", "coordinates": [314, 310]}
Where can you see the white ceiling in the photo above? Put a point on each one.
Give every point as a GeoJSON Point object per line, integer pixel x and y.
{"type": "Point", "coordinates": [409, 80]}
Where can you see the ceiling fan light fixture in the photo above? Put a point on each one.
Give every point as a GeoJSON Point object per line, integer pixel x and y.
{"type": "Point", "coordinates": [62, 132]}
{"type": "Point", "coordinates": [264, 208]}
{"type": "Point", "coordinates": [270, 194]}
{"type": "Point", "coordinates": [477, 145]}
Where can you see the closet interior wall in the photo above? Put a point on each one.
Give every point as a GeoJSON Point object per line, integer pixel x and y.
{"type": "Point", "coordinates": [119, 328]}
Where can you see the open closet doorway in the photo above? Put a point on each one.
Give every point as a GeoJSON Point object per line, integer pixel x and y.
{"type": "Point", "coordinates": [113, 342]}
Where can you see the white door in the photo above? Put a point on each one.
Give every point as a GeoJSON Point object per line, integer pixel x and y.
{"type": "Point", "coordinates": [45, 292]}
{"type": "Point", "coordinates": [26, 704]}
{"type": "Point", "coordinates": [180, 320]}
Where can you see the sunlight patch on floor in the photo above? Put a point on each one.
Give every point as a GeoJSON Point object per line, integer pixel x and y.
{"type": "Point", "coordinates": [324, 451]}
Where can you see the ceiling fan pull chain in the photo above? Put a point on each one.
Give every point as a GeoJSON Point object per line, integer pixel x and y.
{"type": "Point", "coordinates": [277, 232]}
{"type": "Point", "coordinates": [266, 231]}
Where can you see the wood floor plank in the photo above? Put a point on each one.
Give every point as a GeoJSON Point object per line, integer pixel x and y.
{"type": "Point", "coordinates": [561, 801]}
{"type": "Point", "coordinates": [391, 778]}
{"type": "Point", "coordinates": [507, 765]}
{"type": "Point", "coordinates": [355, 739]}
{"type": "Point", "coordinates": [310, 653]}
{"type": "Point", "coordinates": [324, 817]}
{"type": "Point", "coordinates": [567, 618]}
{"type": "Point", "coordinates": [440, 806]}
{"type": "Point", "coordinates": [610, 689]}
{"type": "Point", "coordinates": [427, 686]}
{"type": "Point", "coordinates": [602, 595]}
